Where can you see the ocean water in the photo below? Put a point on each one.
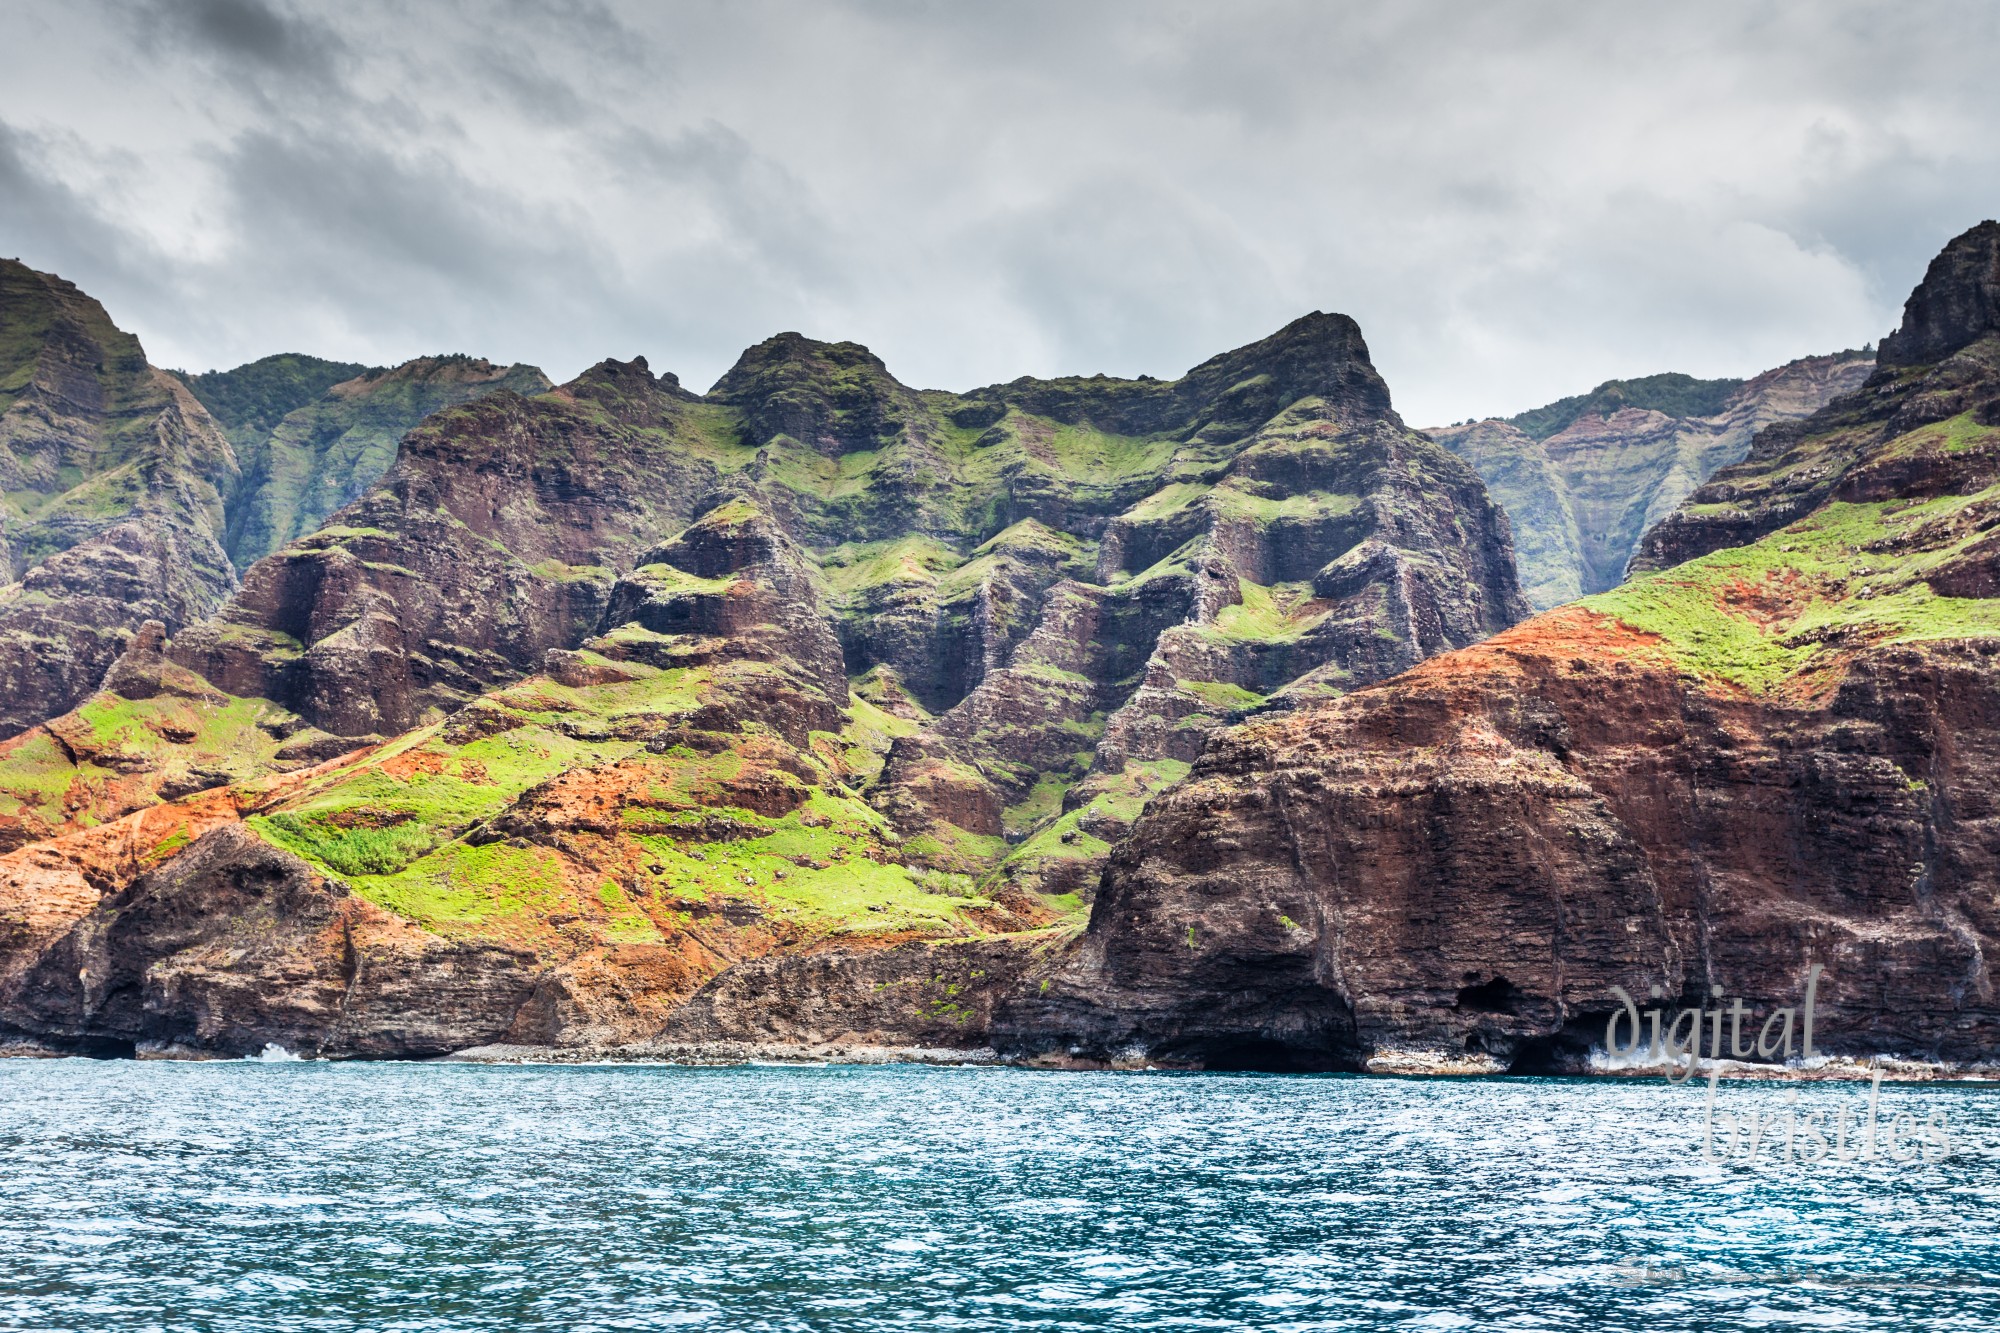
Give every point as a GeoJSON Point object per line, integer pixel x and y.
{"type": "Point", "coordinates": [282, 1196]}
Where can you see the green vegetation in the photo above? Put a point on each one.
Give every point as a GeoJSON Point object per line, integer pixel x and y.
{"type": "Point", "coordinates": [950, 533]}
{"type": "Point", "coordinates": [171, 845]}
{"type": "Point", "coordinates": [170, 739]}
{"type": "Point", "coordinates": [1673, 394]}
{"type": "Point", "coordinates": [1065, 840]}
{"type": "Point", "coordinates": [1282, 611]}
{"type": "Point", "coordinates": [1088, 454]}
{"type": "Point", "coordinates": [1043, 803]}
{"type": "Point", "coordinates": [867, 736]}
{"type": "Point", "coordinates": [352, 850]}
{"type": "Point", "coordinates": [1222, 695]}
{"type": "Point", "coordinates": [411, 828]}
{"type": "Point", "coordinates": [1785, 607]}
{"type": "Point", "coordinates": [462, 889]}
{"type": "Point", "coordinates": [88, 460]}
{"type": "Point", "coordinates": [1954, 435]}
{"type": "Point", "coordinates": [915, 561]}
{"type": "Point", "coordinates": [252, 399]}
{"type": "Point", "coordinates": [670, 580]}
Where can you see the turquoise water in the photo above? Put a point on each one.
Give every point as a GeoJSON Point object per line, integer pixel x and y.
{"type": "Point", "coordinates": [250, 1196]}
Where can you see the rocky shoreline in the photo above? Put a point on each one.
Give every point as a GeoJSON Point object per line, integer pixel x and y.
{"type": "Point", "coordinates": [1386, 1064]}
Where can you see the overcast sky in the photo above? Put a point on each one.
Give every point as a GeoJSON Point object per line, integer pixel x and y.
{"type": "Point", "coordinates": [1516, 200]}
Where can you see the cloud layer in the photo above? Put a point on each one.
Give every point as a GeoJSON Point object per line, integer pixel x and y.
{"type": "Point", "coordinates": [1515, 201]}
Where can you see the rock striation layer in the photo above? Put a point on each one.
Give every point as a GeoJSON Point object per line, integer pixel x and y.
{"type": "Point", "coordinates": [128, 500]}
{"type": "Point", "coordinates": [311, 439]}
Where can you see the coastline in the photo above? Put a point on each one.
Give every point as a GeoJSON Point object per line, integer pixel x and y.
{"type": "Point", "coordinates": [1395, 1064]}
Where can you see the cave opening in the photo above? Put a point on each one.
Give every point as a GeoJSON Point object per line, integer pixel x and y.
{"type": "Point", "coordinates": [1498, 996]}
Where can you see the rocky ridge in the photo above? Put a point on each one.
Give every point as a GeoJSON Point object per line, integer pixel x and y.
{"type": "Point", "coordinates": [818, 681]}
{"type": "Point", "coordinates": [310, 439]}
{"type": "Point", "coordinates": [1584, 479]}
{"type": "Point", "coordinates": [113, 475]}
{"type": "Point", "coordinates": [1777, 754]}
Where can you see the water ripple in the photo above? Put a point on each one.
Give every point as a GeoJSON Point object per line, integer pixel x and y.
{"type": "Point", "coordinates": [303, 1196]}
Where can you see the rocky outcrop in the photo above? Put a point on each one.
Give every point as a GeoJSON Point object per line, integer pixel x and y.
{"type": "Point", "coordinates": [114, 475]}
{"type": "Point", "coordinates": [235, 945]}
{"type": "Point", "coordinates": [630, 851]}
{"type": "Point", "coordinates": [1321, 546]}
{"type": "Point", "coordinates": [1583, 480]}
{"type": "Point", "coordinates": [496, 537]}
{"type": "Point", "coordinates": [1465, 862]}
{"type": "Point", "coordinates": [1697, 787]}
{"type": "Point", "coordinates": [1957, 303]}
{"type": "Point", "coordinates": [923, 994]}
{"type": "Point", "coordinates": [128, 499]}
{"type": "Point", "coordinates": [1277, 522]}
{"type": "Point", "coordinates": [1789, 472]}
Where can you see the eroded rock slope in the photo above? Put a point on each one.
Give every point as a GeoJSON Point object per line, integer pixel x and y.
{"type": "Point", "coordinates": [801, 712]}
{"type": "Point", "coordinates": [113, 476]}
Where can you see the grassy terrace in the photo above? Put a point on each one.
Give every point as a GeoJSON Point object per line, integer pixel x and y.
{"type": "Point", "coordinates": [629, 844]}
{"type": "Point", "coordinates": [73, 780]}
{"type": "Point", "coordinates": [1788, 606]}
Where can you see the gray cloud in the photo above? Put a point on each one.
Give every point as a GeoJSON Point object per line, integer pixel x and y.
{"type": "Point", "coordinates": [245, 38]}
{"type": "Point", "coordinates": [1516, 201]}
{"type": "Point", "coordinates": [45, 222]}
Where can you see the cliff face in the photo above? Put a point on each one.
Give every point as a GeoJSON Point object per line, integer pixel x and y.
{"type": "Point", "coordinates": [113, 475]}
{"type": "Point", "coordinates": [743, 716]}
{"type": "Point", "coordinates": [1781, 753]}
{"type": "Point", "coordinates": [1280, 530]}
{"type": "Point", "coordinates": [325, 452]}
{"type": "Point", "coordinates": [571, 859]}
{"type": "Point", "coordinates": [494, 538]}
{"type": "Point", "coordinates": [129, 501]}
{"type": "Point", "coordinates": [1584, 479]}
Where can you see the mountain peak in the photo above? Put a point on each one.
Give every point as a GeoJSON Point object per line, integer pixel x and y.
{"type": "Point", "coordinates": [832, 397]}
{"type": "Point", "coordinates": [1957, 303]}
{"type": "Point", "coordinates": [791, 353]}
{"type": "Point", "coordinates": [1316, 355]}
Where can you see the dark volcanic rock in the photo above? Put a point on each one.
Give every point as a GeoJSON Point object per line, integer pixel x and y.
{"type": "Point", "coordinates": [1538, 821]}
{"type": "Point", "coordinates": [833, 398]}
{"type": "Point", "coordinates": [734, 587]}
{"type": "Point", "coordinates": [1957, 303]}
{"type": "Point", "coordinates": [1320, 548]}
{"type": "Point", "coordinates": [1225, 397]}
{"type": "Point", "coordinates": [747, 708]}
{"type": "Point", "coordinates": [925, 993]}
{"type": "Point", "coordinates": [236, 944]}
